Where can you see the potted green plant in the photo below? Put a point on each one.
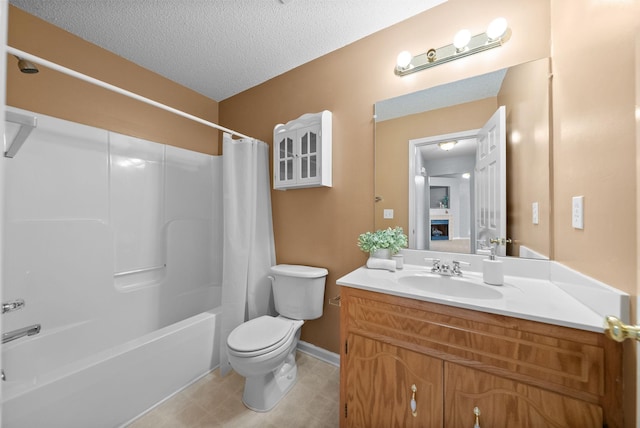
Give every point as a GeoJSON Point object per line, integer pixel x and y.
{"type": "Point", "coordinates": [383, 243]}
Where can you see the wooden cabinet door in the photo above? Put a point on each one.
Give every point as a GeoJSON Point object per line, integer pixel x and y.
{"type": "Point", "coordinates": [507, 403]}
{"type": "Point", "coordinates": [379, 380]}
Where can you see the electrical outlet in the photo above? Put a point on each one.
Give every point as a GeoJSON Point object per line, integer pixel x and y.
{"type": "Point", "coordinates": [534, 213]}
{"type": "Point", "coordinates": [388, 213]}
{"type": "Point", "coordinates": [577, 212]}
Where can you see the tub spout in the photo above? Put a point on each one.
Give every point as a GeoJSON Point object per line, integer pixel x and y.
{"type": "Point", "coordinates": [21, 332]}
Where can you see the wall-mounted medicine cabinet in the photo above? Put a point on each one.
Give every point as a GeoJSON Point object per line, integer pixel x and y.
{"type": "Point", "coordinates": [302, 152]}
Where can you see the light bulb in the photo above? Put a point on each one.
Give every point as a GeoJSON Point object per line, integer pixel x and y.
{"type": "Point", "coordinates": [448, 145]}
{"type": "Point", "coordinates": [404, 59]}
{"type": "Point", "coordinates": [461, 39]}
{"type": "Point", "coordinates": [497, 28]}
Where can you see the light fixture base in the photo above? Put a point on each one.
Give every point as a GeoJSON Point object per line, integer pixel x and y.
{"type": "Point", "coordinates": [478, 43]}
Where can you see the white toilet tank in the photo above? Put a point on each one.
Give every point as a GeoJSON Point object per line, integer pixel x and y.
{"type": "Point", "coordinates": [298, 291]}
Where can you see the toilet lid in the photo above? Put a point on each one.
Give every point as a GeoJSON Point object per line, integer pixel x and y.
{"type": "Point", "coordinates": [260, 334]}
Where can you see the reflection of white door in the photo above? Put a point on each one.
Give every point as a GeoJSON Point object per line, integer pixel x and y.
{"type": "Point", "coordinates": [491, 181]}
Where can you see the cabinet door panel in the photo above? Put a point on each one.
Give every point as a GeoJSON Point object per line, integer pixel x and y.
{"type": "Point", "coordinates": [379, 379]}
{"type": "Point", "coordinates": [308, 152]}
{"type": "Point", "coordinates": [284, 160]}
{"type": "Point", "coordinates": [507, 403]}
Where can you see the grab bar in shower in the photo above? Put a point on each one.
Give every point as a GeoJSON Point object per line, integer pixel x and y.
{"type": "Point", "coordinates": [27, 124]}
{"type": "Point", "coordinates": [21, 332]}
{"type": "Point", "coordinates": [131, 272]}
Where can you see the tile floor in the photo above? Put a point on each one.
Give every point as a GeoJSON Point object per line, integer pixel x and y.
{"type": "Point", "coordinates": [216, 401]}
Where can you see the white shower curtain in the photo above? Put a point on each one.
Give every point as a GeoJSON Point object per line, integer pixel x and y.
{"type": "Point", "coordinates": [248, 247]}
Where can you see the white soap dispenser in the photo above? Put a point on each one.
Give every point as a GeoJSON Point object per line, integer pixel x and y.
{"type": "Point", "coordinates": [492, 269]}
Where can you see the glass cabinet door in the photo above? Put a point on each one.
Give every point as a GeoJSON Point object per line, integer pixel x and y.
{"type": "Point", "coordinates": [286, 156]}
{"type": "Point", "coordinates": [309, 145]}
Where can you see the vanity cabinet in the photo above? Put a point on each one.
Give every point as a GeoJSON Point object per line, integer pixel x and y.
{"type": "Point", "coordinates": [302, 152]}
{"type": "Point", "coordinates": [516, 372]}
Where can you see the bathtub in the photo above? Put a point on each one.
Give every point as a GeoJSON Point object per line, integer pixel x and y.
{"type": "Point", "coordinates": [110, 387]}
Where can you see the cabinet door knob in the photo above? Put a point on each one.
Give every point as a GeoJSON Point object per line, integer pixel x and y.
{"type": "Point", "coordinates": [414, 405]}
{"type": "Point", "coordinates": [476, 412]}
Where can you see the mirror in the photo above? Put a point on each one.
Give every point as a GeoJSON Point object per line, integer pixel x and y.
{"type": "Point", "coordinates": [419, 186]}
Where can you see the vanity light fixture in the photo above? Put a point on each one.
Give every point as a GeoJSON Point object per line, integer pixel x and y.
{"type": "Point", "coordinates": [447, 145]}
{"type": "Point", "coordinates": [461, 40]}
{"type": "Point", "coordinates": [466, 175]}
{"type": "Point", "coordinates": [464, 44]}
{"type": "Point", "coordinates": [404, 59]}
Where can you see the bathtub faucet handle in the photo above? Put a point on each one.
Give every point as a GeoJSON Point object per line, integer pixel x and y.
{"type": "Point", "coordinates": [13, 306]}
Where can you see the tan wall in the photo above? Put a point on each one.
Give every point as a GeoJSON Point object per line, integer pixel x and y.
{"type": "Point", "coordinates": [594, 137]}
{"type": "Point", "coordinates": [595, 141]}
{"type": "Point", "coordinates": [320, 226]}
{"type": "Point", "coordinates": [55, 94]}
{"type": "Point", "coordinates": [594, 151]}
{"type": "Point", "coordinates": [392, 151]}
{"type": "Point", "coordinates": [528, 165]}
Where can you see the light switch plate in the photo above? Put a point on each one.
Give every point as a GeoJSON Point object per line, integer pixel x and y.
{"type": "Point", "coordinates": [388, 213]}
{"type": "Point", "coordinates": [534, 213]}
{"type": "Point", "coordinates": [577, 212]}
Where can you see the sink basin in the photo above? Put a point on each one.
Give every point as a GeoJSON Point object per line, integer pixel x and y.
{"type": "Point", "coordinates": [453, 286]}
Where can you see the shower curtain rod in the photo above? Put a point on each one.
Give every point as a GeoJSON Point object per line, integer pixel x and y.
{"type": "Point", "coordinates": [73, 73]}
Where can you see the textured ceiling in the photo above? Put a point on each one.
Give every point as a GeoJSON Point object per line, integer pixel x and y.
{"type": "Point", "coordinates": [222, 47]}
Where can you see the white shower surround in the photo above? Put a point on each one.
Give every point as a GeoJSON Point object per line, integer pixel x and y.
{"type": "Point", "coordinates": [69, 194]}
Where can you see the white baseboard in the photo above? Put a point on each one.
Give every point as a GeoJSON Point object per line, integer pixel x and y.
{"type": "Point", "coordinates": [319, 353]}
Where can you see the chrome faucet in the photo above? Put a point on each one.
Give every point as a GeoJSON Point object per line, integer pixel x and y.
{"type": "Point", "coordinates": [456, 267]}
{"type": "Point", "coordinates": [12, 306]}
{"type": "Point", "coordinates": [21, 332]}
{"type": "Point", "coordinates": [445, 269]}
{"type": "Point", "coordinates": [435, 264]}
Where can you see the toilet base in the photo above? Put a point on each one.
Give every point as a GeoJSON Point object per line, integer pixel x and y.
{"type": "Point", "coordinates": [262, 393]}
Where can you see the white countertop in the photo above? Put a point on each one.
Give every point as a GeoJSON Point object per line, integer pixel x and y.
{"type": "Point", "coordinates": [532, 299]}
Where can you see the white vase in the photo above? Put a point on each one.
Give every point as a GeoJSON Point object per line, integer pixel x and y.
{"type": "Point", "coordinates": [382, 253]}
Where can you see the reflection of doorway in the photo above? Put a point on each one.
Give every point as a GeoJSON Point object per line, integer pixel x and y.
{"type": "Point", "coordinates": [477, 213]}
{"type": "Point", "coordinates": [442, 190]}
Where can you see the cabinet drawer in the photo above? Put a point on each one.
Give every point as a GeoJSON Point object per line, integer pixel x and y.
{"type": "Point", "coordinates": [561, 359]}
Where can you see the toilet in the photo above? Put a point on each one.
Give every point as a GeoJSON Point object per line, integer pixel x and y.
{"type": "Point", "coordinates": [263, 349]}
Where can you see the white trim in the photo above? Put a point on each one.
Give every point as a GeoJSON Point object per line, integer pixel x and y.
{"type": "Point", "coordinates": [319, 353]}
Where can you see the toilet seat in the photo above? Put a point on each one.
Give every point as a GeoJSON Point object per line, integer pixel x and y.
{"type": "Point", "coordinates": [260, 336]}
